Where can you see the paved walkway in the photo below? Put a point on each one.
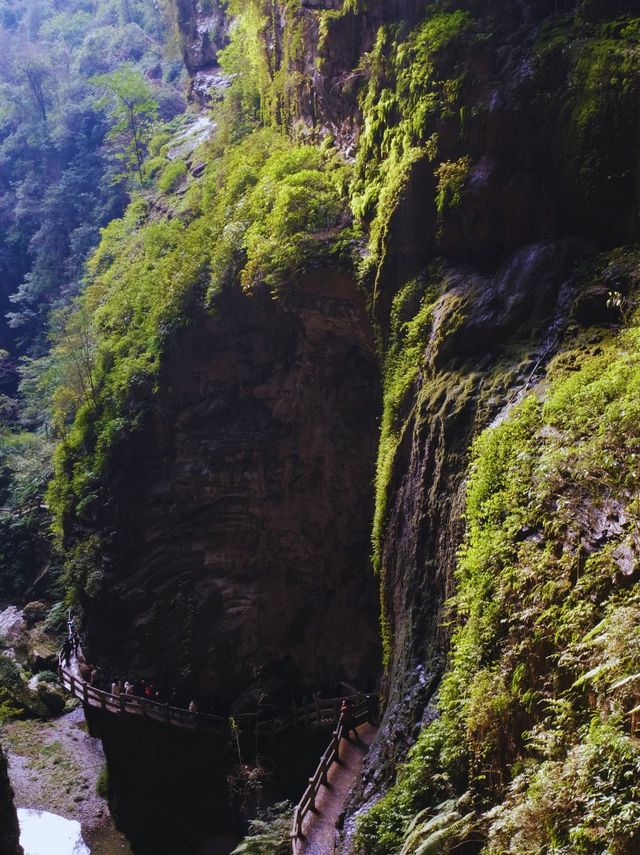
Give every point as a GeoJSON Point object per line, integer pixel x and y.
{"type": "Point", "coordinates": [319, 828]}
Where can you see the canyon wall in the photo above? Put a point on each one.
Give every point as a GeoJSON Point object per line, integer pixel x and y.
{"type": "Point", "coordinates": [240, 519]}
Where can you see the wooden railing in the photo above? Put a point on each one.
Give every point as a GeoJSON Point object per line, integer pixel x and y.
{"type": "Point", "coordinates": [270, 721]}
{"type": "Point", "coordinates": [361, 712]}
{"type": "Point", "coordinates": [142, 707]}
{"type": "Point", "coordinates": [321, 712]}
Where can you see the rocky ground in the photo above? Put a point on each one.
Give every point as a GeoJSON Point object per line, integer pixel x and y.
{"type": "Point", "coordinates": [55, 766]}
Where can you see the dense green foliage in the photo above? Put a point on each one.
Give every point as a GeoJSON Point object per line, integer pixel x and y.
{"type": "Point", "coordinates": [75, 113]}
{"type": "Point", "coordinates": [540, 703]}
{"type": "Point", "coordinates": [25, 469]}
{"type": "Point", "coordinates": [60, 181]}
{"type": "Point", "coordinates": [16, 698]}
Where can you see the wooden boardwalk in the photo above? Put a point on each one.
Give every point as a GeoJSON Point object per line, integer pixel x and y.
{"type": "Point", "coordinates": [315, 816]}
{"type": "Point", "coordinates": [319, 826]}
{"type": "Point", "coordinates": [319, 713]}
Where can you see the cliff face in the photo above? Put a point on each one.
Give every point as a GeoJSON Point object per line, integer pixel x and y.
{"type": "Point", "coordinates": [241, 518]}
{"type": "Point", "coordinates": [204, 31]}
{"type": "Point", "coordinates": [543, 189]}
{"type": "Point", "coordinates": [480, 272]}
{"type": "Point", "coordinates": [9, 831]}
{"type": "Point", "coordinates": [495, 162]}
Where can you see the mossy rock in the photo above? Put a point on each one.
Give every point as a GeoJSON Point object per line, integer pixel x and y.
{"type": "Point", "coordinates": [52, 698]}
{"type": "Point", "coordinates": [34, 612]}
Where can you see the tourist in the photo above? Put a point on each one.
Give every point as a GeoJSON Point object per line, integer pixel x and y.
{"type": "Point", "coordinates": [128, 688]}
{"type": "Point", "coordinates": [348, 721]}
{"type": "Point", "coordinates": [193, 707]}
{"type": "Point", "coordinates": [115, 687]}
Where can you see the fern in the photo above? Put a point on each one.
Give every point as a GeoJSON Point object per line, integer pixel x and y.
{"type": "Point", "coordinates": [441, 839]}
{"type": "Point", "coordinates": [440, 829]}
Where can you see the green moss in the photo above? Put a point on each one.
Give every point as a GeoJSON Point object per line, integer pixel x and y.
{"type": "Point", "coordinates": [407, 97]}
{"type": "Point", "coordinates": [410, 329]}
{"type": "Point", "coordinates": [539, 699]}
{"type": "Point", "coordinates": [597, 130]}
{"type": "Point", "coordinates": [102, 782]}
{"type": "Point", "coordinates": [452, 176]}
{"type": "Point", "coordinates": [405, 362]}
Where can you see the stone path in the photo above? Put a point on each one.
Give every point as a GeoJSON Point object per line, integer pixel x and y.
{"type": "Point", "coordinates": [319, 828]}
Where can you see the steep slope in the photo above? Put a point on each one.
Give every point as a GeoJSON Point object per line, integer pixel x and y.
{"type": "Point", "coordinates": [528, 170]}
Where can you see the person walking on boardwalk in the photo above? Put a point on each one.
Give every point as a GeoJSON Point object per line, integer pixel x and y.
{"type": "Point", "coordinates": [348, 721]}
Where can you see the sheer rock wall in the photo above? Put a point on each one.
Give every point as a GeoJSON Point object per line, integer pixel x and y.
{"type": "Point", "coordinates": [240, 546]}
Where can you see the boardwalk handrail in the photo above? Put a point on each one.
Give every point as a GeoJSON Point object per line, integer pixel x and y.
{"type": "Point", "coordinates": [360, 714]}
{"type": "Point", "coordinates": [144, 707]}
{"type": "Point", "coordinates": [321, 712]}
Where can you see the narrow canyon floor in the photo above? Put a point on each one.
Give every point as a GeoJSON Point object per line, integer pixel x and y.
{"type": "Point", "coordinates": [54, 766]}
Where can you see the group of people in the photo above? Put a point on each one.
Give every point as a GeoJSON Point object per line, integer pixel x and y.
{"type": "Point", "coordinates": [144, 689]}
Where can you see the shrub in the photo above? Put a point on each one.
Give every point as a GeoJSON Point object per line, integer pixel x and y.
{"type": "Point", "coordinates": [172, 176]}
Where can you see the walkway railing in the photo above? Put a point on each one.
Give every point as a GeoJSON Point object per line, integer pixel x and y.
{"type": "Point", "coordinates": [142, 707]}
{"type": "Point", "coordinates": [321, 712]}
{"type": "Point", "coordinates": [362, 712]}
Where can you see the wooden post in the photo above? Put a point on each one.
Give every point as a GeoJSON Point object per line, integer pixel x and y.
{"type": "Point", "coordinates": [72, 685]}
{"type": "Point", "coordinates": [85, 696]}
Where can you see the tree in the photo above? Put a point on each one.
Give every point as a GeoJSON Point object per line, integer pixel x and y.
{"type": "Point", "coordinates": [133, 109]}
